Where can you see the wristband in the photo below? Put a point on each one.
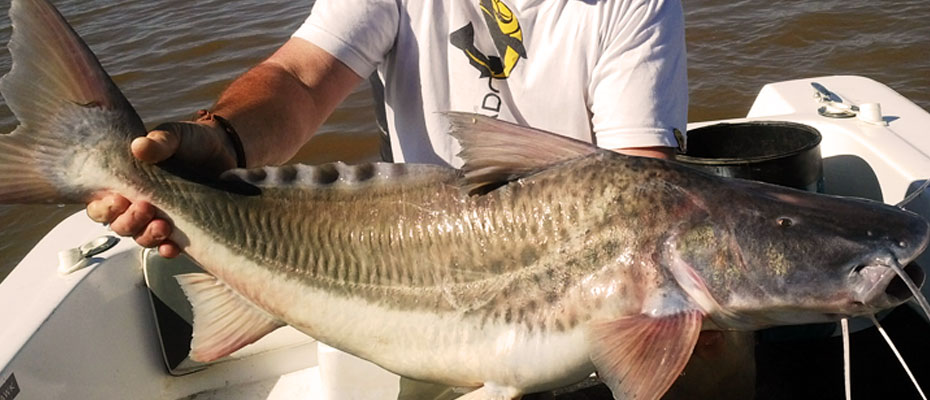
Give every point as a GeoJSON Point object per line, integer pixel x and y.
{"type": "Point", "coordinates": [205, 115]}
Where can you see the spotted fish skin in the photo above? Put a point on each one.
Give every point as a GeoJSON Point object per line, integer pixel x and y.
{"type": "Point", "coordinates": [525, 262]}
{"type": "Point", "coordinates": [539, 261]}
{"type": "Point", "coordinates": [409, 237]}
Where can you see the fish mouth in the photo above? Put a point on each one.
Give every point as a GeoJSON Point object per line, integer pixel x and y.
{"type": "Point", "coordinates": [882, 287]}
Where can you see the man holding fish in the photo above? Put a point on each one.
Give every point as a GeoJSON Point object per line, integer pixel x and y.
{"type": "Point", "coordinates": [570, 259]}
{"type": "Point", "coordinates": [611, 72]}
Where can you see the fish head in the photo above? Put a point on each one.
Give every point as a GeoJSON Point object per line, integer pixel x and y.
{"type": "Point", "coordinates": [761, 255]}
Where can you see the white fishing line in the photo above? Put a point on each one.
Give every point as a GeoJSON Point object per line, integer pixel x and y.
{"type": "Point", "coordinates": [919, 297]}
{"type": "Point", "coordinates": [915, 194]}
{"type": "Point", "coordinates": [847, 367]}
{"type": "Point", "coordinates": [897, 354]}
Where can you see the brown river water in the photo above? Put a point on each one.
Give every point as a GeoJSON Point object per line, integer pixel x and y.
{"type": "Point", "coordinates": [172, 57]}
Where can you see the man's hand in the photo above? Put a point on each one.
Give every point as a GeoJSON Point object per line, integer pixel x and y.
{"type": "Point", "coordinates": [202, 144]}
{"type": "Point", "coordinates": [277, 105]}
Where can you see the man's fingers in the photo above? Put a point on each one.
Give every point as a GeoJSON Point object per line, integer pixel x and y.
{"type": "Point", "coordinates": [155, 147]}
{"type": "Point", "coordinates": [154, 233]}
{"type": "Point", "coordinates": [108, 208]}
{"type": "Point", "coordinates": [134, 220]}
{"type": "Point", "coordinates": [168, 249]}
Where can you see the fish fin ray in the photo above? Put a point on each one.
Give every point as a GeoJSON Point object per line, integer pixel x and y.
{"type": "Point", "coordinates": [63, 99]}
{"type": "Point", "coordinates": [639, 357]}
{"type": "Point", "coordinates": [496, 152]}
{"type": "Point", "coordinates": [22, 181]}
{"type": "Point", "coordinates": [224, 321]}
{"type": "Point", "coordinates": [53, 66]}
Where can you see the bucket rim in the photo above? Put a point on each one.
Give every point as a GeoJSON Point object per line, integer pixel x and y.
{"type": "Point", "coordinates": [810, 145]}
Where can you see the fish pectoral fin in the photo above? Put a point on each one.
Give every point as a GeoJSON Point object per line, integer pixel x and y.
{"type": "Point", "coordinates": [496, 152]}
{"type": "Point", "coordinates": [224, 321]}
{"type": "Point", "coordinates": [639, 357]}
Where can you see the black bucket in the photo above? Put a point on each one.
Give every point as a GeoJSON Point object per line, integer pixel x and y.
{"type": "Point", "coordinates": [782, 153]}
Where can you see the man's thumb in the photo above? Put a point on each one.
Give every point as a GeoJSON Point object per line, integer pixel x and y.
{"type": "Point", "coordinates": [157, 146]}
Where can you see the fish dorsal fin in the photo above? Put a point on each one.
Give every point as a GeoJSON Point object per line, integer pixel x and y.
{"type": "Point", "coordinates": [224, 321]}
{"type": "Point", "coordinates": [496, 152]}
{"type": "Point", "coordinates": [639, 357]}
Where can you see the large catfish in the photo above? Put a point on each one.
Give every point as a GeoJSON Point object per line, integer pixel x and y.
{"type": "Point", "coordinates": [542, 260]}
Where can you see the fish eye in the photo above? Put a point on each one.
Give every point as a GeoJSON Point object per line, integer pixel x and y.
{"type": "Point", "coordinates": [784, 222]}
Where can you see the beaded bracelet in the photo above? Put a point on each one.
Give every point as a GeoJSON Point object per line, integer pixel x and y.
{"type": "Point", "coordinates": [204, 115]}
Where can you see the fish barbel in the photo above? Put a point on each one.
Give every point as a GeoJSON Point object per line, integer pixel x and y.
{"type": "Point", "coordinates": [542, 260]}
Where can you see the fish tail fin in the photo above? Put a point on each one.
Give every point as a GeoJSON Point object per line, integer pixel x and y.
{"type": "Point", "coordinates": [68, 108]}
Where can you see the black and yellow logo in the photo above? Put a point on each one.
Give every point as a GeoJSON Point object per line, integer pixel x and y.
{"type": "Point", "coordinates": [506, 34]}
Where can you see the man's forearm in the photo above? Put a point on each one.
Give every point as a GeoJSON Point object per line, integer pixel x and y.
{"type": "Point", "coordinates": [278, 105]}
{"type": "Point", "coordinates": [667, 153]}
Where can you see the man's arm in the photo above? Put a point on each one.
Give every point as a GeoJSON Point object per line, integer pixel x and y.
{"type": "Point", "coordinates": [275, 108]}
{"type": "Point", "coordinates": [666, 153]}
{"type": "Point", "coordinates": [639, 86]}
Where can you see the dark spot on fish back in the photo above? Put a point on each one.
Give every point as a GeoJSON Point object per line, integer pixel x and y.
{"type": "Point", "coordinates": [324, 174]}
{"type": "Point", "coordinates": [287, 173]}
{"type": "Point", "coordinates": [255, 175]}
{"type": "Point", "coordinates": [358, 173]}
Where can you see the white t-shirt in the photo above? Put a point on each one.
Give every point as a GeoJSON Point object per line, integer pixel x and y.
{"type": "Point", "coordinates": [611, 72]}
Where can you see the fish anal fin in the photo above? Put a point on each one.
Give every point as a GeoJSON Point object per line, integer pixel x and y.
{"type": "Point", "coordinates": [224, 321]}
{"type": "Point", "coordinates": [496, 152]}
{"type": "Point", "coordinates": [639, 357]}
